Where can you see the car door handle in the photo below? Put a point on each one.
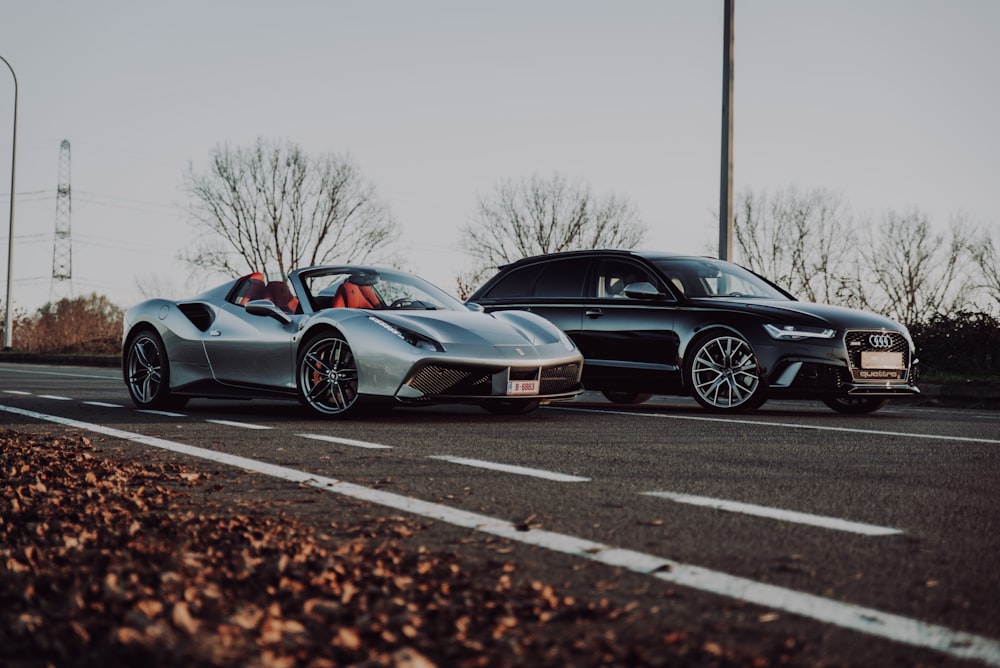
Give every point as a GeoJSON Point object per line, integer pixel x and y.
{"type": "Point", "coordinates": [593, 313]}
{"type": "Point", "coordinates": [215, 332]}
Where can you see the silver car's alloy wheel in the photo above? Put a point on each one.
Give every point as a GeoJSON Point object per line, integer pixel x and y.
{"type": "Point", "coordinates": [328, 375]}
{"type": "Point", "coordinates": [724, 376]}
{"type": "Point", "coordinates": [147, 372]}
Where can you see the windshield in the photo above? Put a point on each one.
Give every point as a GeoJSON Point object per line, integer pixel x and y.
{"type": "Point", "coordinates": [705, 277]}
{"type": "Point", "coordinates": [346, 287]}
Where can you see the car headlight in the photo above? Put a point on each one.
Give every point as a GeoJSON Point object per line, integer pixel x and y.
{"type": "Point", "coordinates": [798, 332]}
{"type": "Point", "coordinates": [414, 339]}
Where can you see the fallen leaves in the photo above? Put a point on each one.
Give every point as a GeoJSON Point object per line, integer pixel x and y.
{"type": "Point", "coordinates": [109, 563]}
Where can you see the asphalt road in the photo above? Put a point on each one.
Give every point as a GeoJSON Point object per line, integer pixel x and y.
{"type": "Point", "coordinates": [876, 536]}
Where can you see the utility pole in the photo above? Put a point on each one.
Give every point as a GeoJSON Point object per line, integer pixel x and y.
{"type": "Point", "coordinates": [726, 189]}
{"type": "Point", "coordinates": [8, 320]}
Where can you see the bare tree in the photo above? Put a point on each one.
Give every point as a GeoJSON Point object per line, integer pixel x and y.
{"type": "Point", "coordinates": [805, 242]}
{"type": "Point", "coordinates": [912, 274]}
{"type": "Point", "coordinates": [538, 215]}
{"type": "Point", "coordinates": [272, 207]}
{"type": "Point", "coordinates": [985, 253]}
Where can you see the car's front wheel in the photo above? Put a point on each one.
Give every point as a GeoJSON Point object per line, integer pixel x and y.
{"type": "Point", "coordinates": [147, 371]}
{"type": "Point", "coordinates": [723, 375]}
{"type": "Point", "coordinates": [856, 405]}
{"type": "Point", "coordinates": [328, 376]}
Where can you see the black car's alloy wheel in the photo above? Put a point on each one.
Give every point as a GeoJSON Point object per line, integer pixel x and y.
{"type": "Point", "coordinates": [328, 375]}
{"type": "Point", "coordinates": [723, 374]}
{"type": "Point", "coordinates": [147, 372]}
{"type": "Point", "coordinates": [856, 405]}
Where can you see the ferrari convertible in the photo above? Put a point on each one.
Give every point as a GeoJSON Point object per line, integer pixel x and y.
{"type": "Point", "coordinates": [342, 339]}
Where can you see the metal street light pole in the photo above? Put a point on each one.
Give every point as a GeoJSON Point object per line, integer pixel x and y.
{"type": "Point", "coordinates": [8, 322]}
{"type": "Point", "coordinates": [726, 189]}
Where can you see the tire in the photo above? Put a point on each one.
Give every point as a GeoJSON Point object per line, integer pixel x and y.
{"type": "Point", "coordinates": [327, 376]}
{"type": "Point", "coordinates": [511, 406]}
{"type": "Point", "coordinates": [856, 405]}
{"type": "Point", "coordinates": [622, 397]}
{"type": "Point", "coordinates": [146, 369]}
{"type": "Point", "coordinates": [723, 375]}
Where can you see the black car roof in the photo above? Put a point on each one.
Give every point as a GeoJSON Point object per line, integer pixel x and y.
{"type": "Point", "coordinates": [609, 252]}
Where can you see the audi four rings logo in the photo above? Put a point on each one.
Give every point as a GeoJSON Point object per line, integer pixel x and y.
{"type": "Point", "coordinates": [880, 340]}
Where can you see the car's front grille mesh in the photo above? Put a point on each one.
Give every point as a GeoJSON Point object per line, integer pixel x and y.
{"type": "Point", "coordinates": [444, 380]}
{"type": "Point", "coordinates": [562, 378]}
{"type": "Point", "coordinates": [437, 379]}
{"type": "Point", "coordinates": [859, 341]}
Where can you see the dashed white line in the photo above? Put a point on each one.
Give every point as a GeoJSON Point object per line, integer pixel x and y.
{"type": "Point", "coordinates": [55, 397]}
{"type": "Point", "coordinates": [150, 411]}
{"type": "Point", "coordinates": [18, 392]}
{"type": "Point", "coordinates": [509, 468]}
{"type": "Point", "coordinates": [787, 425]}
{"type": "Point", "coordinates": [779, 514]}
{"type": "Point", "coordinates": [101, 404]}
{"type": "Point", "coordinates": [346, 441]}
{"type": "Point", "coordinates": [866, 620]}
{"type": "Point", "coordinates": [244, 425]}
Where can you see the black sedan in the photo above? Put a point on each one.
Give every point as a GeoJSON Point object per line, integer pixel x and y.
{"type": "Point", "coordinates": [655, 323]}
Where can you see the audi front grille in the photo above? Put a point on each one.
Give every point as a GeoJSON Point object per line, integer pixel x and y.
{"type": "Point", "coordinates": [866, 349]}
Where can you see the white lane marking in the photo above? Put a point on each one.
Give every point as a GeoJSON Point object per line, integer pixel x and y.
{"type": "Point", "coordinates": [18, 392]}
{"type": "Point", "coordinates": [150, 411]}
{"type": "Point", "coordinates": [509, 468]}
{"type": "Point", "coordinates": [788, 425]}
{"type": "Point", "coordinates": [38, 372]}
{"type": "Point", "coordinates": [245, 425]}
{"type": "Point", "coordinates": [56, 397]}
{"type": "Point", "coordinates": [865, 620]}
{"type": "Point", "coordinates": [346, 441]}
{"type": "Point", "coordinates": [102, 404]}
{"type": "Point", "coordinates": [779, 514]}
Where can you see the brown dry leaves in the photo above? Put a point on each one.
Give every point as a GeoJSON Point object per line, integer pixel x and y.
{"type": "Point", "coordinates": [109, 564]}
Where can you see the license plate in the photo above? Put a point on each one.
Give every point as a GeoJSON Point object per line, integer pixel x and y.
{"type": "Point", "coordinates": [522, 387]}
{"type": "Point", "coordinates": [875, 359]}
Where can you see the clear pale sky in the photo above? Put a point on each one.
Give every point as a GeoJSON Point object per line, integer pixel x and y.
{"type": "Point", "coordinates": [891, 103]}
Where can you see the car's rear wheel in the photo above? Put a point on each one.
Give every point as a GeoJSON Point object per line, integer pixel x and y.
{"type": "Point", "coordinates": [147, 371]}
{"type": "Point", "coordinates": [856, 405]}
{"type": "Point", "coordinates": [511, 406]}
{"type": "Point", "coordinates": [623, 397]}
{"type": "Point", "coordinates": [328, 376]}
{"type": "Point", "coordinates": [723, 375]}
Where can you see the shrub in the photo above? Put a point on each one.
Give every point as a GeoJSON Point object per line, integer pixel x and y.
{"type": "Point", "coordinates": [959, 346]}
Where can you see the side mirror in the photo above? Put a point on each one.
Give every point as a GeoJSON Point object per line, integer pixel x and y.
{"type": "Point", "coordinates": [642, 290]}
{"type": "Point", "coordinates": [266, 307]}
{"type": "Point", "coordinates": [473, 306]}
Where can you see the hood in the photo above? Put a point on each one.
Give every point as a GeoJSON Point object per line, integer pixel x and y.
{"type": "Point", "coordinates": [460, 327]}
{"type": "Point", "coordinates": [834, 317]}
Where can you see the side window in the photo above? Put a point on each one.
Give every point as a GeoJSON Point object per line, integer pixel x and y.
{"type": "Point", "coordinates": [562, 278]}
{"type": "Point", "coordinates": [517, 283]}
{"type": "Point", "coordinates": [613, 275]}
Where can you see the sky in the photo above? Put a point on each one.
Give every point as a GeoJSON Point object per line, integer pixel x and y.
{"type": "Point", "coordinates": [891, 104]}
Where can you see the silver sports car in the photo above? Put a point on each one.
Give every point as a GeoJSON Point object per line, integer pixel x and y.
{"type": "Point", "coordinates": [340, 339]}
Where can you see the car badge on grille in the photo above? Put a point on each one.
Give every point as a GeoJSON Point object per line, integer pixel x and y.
{"type": "Point", "coordinates": [880, 340]}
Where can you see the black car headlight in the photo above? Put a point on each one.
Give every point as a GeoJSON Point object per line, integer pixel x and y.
{"type": "Point", "coordinates": [414, 339]}
{"type": "Point", "coordinates": [798, 332]}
